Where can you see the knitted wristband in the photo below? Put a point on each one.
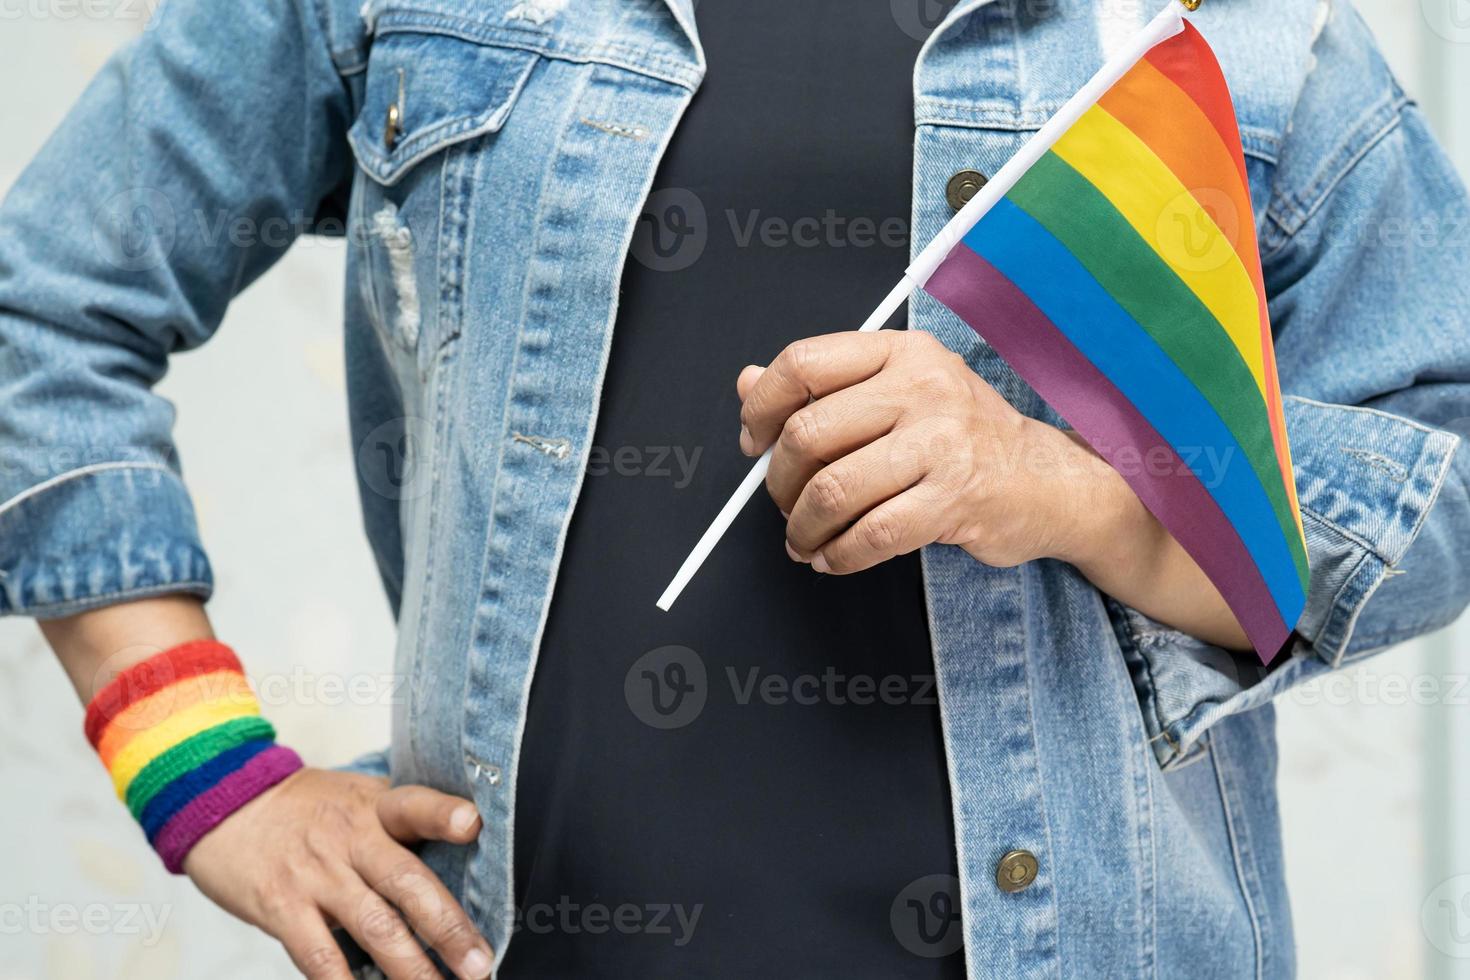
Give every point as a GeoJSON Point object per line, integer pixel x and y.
{"type": "Point", "coordinates": [182, 736]}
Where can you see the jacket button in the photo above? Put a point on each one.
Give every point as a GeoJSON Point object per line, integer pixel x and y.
{"type": "Point", "coordinates": [963, 186]}
{"type": "Point", "coordinates": [1016, 871]}
{"type": "Point", "coordinates": [392, 127]}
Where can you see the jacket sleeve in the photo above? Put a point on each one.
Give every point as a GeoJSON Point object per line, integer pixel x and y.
{"type": "Point", "coordinates": [187, 168]}
{"type": "Point", "coordinates": [1366, 249]}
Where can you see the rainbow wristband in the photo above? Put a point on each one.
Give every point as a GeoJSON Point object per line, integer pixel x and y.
{"type": "Point", "coordinates": [182, 736]}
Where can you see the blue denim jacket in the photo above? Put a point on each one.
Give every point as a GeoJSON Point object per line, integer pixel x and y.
{"type": "Point", "coordinates": [488, 224]}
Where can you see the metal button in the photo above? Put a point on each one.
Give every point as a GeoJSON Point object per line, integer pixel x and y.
{"type": "Point", "coordinates": [483, 770]}
{"type": "Point", "coordinates": [1016, 871]}
{"type": "Point", "coordinates": [963, 186]}
{"type": "Point", "coordinates": [393, 128]}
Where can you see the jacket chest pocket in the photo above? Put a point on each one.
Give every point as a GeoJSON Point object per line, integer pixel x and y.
{"type": "Point", "coordinates": [430, 104]}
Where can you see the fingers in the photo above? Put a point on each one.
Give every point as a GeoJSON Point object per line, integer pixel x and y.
{"type": "Point", "coordinates": [805, 370]}
{"type": "Point", "coordinates": [321, 851]}
{"type": "Point", "coordinates": [895, 527]}
{"type": "Point", "coordinates": [417, 813]}
{"type": "Point", "coordinates": [410, 814]}
{"type": "Point", "coordinates": [749, 375]}
{"type": "Point", "coordinates": [827, 430]}
{"type": "Point", "coordinates": [840, 494]}
{"type": "Point", "coordinates": [428, 908]}
{"type": "Point", "coordinates": [380, 930]}
{"type": "Point", "coordinates": [311, 947]}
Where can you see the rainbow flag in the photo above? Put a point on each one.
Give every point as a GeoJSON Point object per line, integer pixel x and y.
{"type": "Point", "coordinates": [1113, 264]}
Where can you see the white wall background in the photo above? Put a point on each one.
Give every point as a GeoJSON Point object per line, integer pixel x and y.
{"type": "Point", "coordinates": [1375, 788]}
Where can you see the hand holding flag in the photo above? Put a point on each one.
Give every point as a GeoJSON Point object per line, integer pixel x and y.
{"type": "Point", "coordinates": [1076, 264]}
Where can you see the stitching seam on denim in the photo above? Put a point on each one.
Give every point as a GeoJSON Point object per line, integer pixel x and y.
{"type": "Point", "coordinates": [70, 607]}
{"type": "Point", "coordinates": [547, 180]}
{"type": "Point", "coordinates": [1237, 858]}
{"type": "Point", "coordinates": [1322, 188]}
{"type": "Point", "coordinates": [613, 54]}
{"type": "Point", "coordinates": [1347, 628]}
{"type": "Point", "coordinates": [1054, 925]}
{"type": "Point", "coordinates": [77, 473]}
{"type": "Point", "coordinates": [1191, 758]}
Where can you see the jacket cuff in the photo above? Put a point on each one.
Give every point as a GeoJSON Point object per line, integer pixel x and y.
{"type": "Point", "coordinates": [1366, 480]}
{"type": "Point", "coordinates": [99, 535]}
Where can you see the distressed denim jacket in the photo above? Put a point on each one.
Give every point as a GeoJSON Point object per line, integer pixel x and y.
{"type": "Point", "coordinates": [488, 162]}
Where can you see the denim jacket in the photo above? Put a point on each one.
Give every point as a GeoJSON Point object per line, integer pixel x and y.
{"type": "Point", "coordinates": [488, 162]}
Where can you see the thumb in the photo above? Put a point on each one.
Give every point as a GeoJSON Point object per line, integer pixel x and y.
{"type": "Point", "coordinates": [416, 813]}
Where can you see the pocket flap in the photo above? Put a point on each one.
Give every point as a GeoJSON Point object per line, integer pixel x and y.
{"type": "Point", "coordinates": [425, 92]}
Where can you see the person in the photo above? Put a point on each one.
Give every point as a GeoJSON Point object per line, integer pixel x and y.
{"type": "Point", "coordinates": [956, 704]}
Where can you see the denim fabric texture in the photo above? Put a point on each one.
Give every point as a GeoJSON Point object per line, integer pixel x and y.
{"type": "Point", "coordinates": [488, 225]}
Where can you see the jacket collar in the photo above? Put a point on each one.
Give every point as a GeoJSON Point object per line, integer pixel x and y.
{"type": "Point", "coordinates": [683, 11]}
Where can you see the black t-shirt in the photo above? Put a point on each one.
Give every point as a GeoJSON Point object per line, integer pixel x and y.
{"type": "Point", "coordinates": [749, 785]}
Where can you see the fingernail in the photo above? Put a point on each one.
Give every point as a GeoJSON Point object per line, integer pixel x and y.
{"type": "Point", "coordinates": [476, 965]}
{"type": "Point", "coordinates": [784, 514]}
{"type": "Point", "coordinates": [463, 819]}
{"type": "Point", "coordinates": [819, 564]}
{"type": "Point", "coordinates": [747, 442]}
{"type": "Point", "coordinates": [792, 552]}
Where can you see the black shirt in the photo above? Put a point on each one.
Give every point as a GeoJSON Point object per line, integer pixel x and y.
{"type": "Point", "coordinates": [742, 787]}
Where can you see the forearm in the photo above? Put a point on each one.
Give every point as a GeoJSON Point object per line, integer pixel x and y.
{"type": "Point", "coordinates": [95, 646]}
{"type": "Point", "coordinates": [1122, 549]}
{"type": "Point", "coordinates": [247, 838]}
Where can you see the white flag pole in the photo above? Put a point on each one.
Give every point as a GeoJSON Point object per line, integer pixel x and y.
{"type": "Point", "coordinates": [1170, 21]}
{"type": "Point", "coordinates": [757, 474]}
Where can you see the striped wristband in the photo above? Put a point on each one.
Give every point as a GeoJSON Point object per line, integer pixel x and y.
{"type": "Point", "coordinates": [182, 736]}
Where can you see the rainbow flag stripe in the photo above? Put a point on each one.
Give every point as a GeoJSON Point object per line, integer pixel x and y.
{"type": "Point", "coordinates": [182, 736]}
{"type": "Point", "coordinates": [1119, 276]}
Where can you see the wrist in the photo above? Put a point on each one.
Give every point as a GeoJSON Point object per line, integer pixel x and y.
{"type": "Point", "coordinates": [182, 736]}
{"type": "Point", "coordinates": [1115, 542]}
{"type": "Point", "coordinates": [95, 646]}
{"type": "Point", "coordinates": [1102, 527]}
